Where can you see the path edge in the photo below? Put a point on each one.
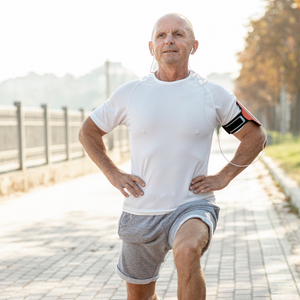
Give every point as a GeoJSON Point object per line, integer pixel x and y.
{"type": "Point", "coordinates": [289, 186]}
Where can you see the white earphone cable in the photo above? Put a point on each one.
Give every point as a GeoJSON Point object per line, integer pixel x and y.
{"type": "Point", "coordinates": [152, 64]}
{"type": "Point", "coordinates": [241, 166]}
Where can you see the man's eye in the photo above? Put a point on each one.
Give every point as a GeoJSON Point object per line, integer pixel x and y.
{"type": "Point", "coordinates": [178, 34]}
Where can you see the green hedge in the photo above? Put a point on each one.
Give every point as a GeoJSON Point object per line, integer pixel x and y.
{"type": "Point", "coordinates": [286, 151]}
{"type": "Point", "coordinates": [275, 137]}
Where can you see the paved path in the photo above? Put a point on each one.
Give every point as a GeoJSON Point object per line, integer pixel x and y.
{"type": "Point", "coordinates": [61, 242]}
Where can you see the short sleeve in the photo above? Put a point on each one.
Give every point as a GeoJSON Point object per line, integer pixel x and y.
{"type": "Point", "coordinates": [224, 103]}
{"type": "Point", "coordinates": [113, 111]}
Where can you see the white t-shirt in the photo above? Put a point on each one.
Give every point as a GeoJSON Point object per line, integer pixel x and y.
{"type": "Point", "coordinates": [171, 125]}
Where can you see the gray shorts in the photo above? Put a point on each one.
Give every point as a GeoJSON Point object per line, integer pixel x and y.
{"type": "Point", "coordinates": [147, 239]}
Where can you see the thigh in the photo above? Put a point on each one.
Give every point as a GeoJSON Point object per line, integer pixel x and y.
{"type": "Point", "coordinates": [140, 263]}
{"type": "Point", "coordinates": [144, 247]}
{"type": "Point", "coordinates": [194, 233]}
{"type": "Point", "coordinates": [202, 211]}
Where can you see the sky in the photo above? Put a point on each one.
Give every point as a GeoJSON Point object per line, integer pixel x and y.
{"type": "Point", "coordinates": [77, 36]}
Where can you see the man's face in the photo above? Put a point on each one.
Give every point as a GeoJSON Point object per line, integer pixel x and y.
{"type": "Point", "coordinates": [172, 40]}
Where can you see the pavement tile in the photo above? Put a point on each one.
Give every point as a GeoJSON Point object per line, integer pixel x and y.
{"type": "Point", "coordinates": [285, 297]}
{"type": "Point", "coordinates": [61, 242]}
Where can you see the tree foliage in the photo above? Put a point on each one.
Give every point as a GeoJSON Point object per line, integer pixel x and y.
{"type": "Point", "coordinates": [271, 57]}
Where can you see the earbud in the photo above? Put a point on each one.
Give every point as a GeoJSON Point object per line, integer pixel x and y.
{"type": "Point", "coordinates": [192, 51]}
{"type": "Point", "coordinates": [152, 52]}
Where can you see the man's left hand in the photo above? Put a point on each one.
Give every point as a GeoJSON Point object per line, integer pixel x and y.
{"type": "Point", "coordinates": [205, 184]}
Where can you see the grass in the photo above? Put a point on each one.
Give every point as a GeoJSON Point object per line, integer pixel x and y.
{"type": "Point", "coordinates": [293, 208]}
{"type": "Point", "coordinates": [287, 154]}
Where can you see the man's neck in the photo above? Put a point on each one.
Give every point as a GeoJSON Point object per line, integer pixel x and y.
{"type": "Point", "coordinates": [171, 74]}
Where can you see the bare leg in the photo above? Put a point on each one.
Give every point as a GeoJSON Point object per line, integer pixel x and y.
{"type": "Point", "coordinates": [141, 291]}
{"type": "Point", "coordinates": [189, 242]}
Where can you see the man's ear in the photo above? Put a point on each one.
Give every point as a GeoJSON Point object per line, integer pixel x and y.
{"type": "Point", "coordinates": [195, 46]}
{"type": "Point", "coordinates": [151, 48]}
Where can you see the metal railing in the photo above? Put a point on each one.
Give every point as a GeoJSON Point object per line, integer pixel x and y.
{"type": "Point", "coordinates": [31, 137]}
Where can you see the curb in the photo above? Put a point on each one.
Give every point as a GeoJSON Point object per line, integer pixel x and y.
{"type": "Point", "coordinates": [289, 186]}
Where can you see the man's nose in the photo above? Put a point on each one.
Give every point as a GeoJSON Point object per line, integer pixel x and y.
{"type": "Point", "coordinates": [169, 39]}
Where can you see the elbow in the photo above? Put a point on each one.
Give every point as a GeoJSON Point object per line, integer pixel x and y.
{"type": "Point", "coordinates": [262, 139]}
{"type": "Point", "coordinates": [80, 135]}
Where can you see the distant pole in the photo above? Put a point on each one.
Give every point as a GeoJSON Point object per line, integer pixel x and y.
{"type": "Point", "coordinates": [47, 133]}
{"type": "Point", "coordinates": [68, 133]}
{"type": "Point", "coordinates": [82, 119]}
{"type": "Point", "coordinates": [110, 135]}
{"type": "Point", "coordinates": [107, 79]}
{"type": "Point", "coordinates": [282, 100]}
{"type": "Point", "coordinates": [21, 130]}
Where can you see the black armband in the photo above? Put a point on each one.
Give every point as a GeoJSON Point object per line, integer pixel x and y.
{"type": "Point", "coordinates": [234, 125]}
{"type": "Point", "coordinates": [240, 120]}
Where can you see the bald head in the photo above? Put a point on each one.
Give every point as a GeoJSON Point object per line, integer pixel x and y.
{"type": "Point", "coordinates": [173, 41]}
{"type": "Point", "coordinates": [187, 24]}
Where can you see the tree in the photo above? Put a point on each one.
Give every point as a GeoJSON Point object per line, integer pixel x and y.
{"type": "Point", "coordinates": [271, 60]}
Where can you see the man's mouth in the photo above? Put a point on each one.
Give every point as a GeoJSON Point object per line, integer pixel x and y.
{"type": "Point", "coordinates": [170, 51]}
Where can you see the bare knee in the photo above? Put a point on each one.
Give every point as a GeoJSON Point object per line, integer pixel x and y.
{"type": "Point", "coordinates": [188, 253]}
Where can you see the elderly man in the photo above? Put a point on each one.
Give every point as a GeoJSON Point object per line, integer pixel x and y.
{"type": "Point", "coordinates": [169, 204]}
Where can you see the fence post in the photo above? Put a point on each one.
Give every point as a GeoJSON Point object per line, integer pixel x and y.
{"type": "Point", "coordinates": [82, 119]}
{"type": "Point", "coordinates": [121, 141]}
{"type": "Point", "coordinates": [47, 133]}
{"type": "Point", "coordinates": [127, 140]}
{"type": "Point", "coordinates": [68, 135]}
{"type": "Point", "coordinates": [21, 130]}
{"type": "Point", "coordinates": [110, 137]}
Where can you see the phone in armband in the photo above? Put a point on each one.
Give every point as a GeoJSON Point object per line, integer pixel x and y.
{"type": "Point", "coordinates": [240, 120]}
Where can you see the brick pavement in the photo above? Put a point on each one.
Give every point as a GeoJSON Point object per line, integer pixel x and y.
{"type": "Point", "coordinates": [61, 242]}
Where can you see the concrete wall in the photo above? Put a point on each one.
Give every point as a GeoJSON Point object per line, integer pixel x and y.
{"type": "Point", "coordinates": [23, 181]}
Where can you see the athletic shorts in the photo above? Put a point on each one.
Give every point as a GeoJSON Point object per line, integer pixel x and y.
{"type": "Point", "coordinates": [146, 239]}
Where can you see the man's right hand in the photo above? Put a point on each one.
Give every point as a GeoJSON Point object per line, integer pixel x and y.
{"type": "Point", "coordinates": [122, 180]}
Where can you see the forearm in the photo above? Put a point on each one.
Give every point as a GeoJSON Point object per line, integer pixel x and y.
{"type": "Point", "coordinates": [90, 137]}
{"type": "Point", "coordinates": [95, 148]}
{"type": "Point", "coordinates": [249, 148]}
{"type": "Point", "coordinates": [252, 141]}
